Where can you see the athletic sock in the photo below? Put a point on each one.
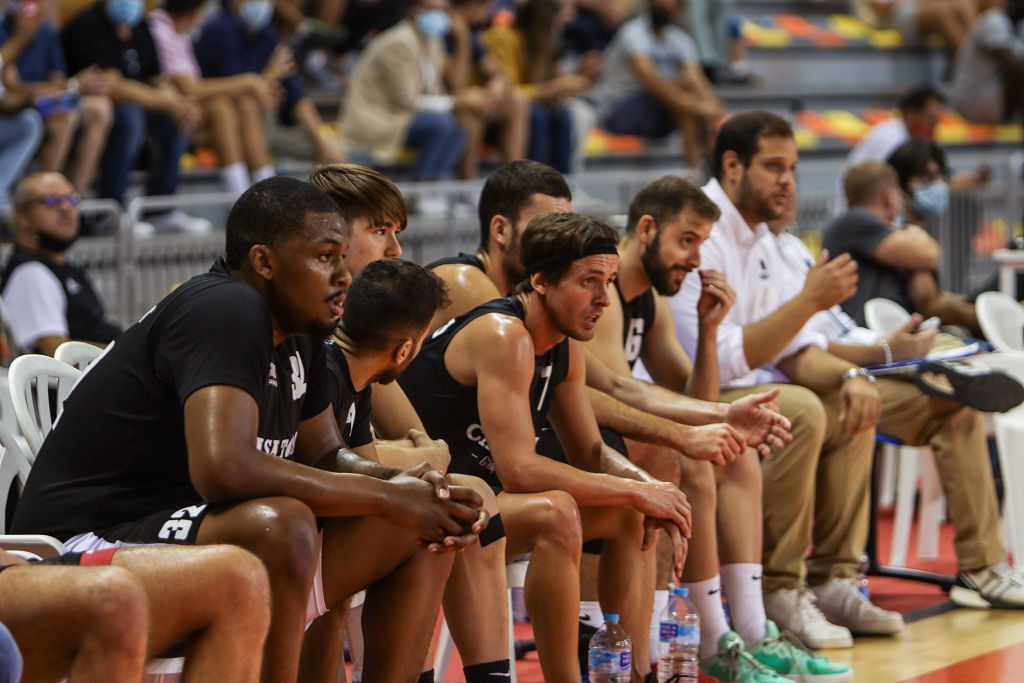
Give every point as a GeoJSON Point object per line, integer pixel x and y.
{"type": "Point", "coordinates": [263, 172]}
{"type": "Point", "coordinates": [488, 672]}
{"type": "Point", "coordinates": [660, 601]}
{"type": "Point", "coordinates": [746, 600]}
{"type": "Point", "coordinates": [706, 596]}
{"type": "Point", "coordinates": [234, 178]}
{"type": "Point", "coordinates": [591, 614]}
{"type": "Point", "coordinates": [426, 677]}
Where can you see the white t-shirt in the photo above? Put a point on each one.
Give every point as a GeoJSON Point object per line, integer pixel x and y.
{"type": "Point", "coordinates": [36, 305]}
{"type": "Point", "coordinates": [758, 272]}
{"type": "Point", "coordinates": [977, 87]}
{"type": "Point", "coordinates": [882, 140]}
{"type": "Point", "coordinates": [669, 52]}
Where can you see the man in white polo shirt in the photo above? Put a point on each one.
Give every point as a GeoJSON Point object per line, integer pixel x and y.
{"type": "Point", "coordinates": [816, 489]}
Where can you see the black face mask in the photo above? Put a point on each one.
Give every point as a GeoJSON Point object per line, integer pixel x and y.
{"type": "Point", "coordinates": [660, 18]}
{"type": "Point", "coordinates": [56, 245]}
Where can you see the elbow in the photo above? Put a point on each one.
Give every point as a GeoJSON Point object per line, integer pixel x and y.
{"type": "Point", "coordinates": [516, 479]}
{"type": "Point", "coordinates": [221, 484]}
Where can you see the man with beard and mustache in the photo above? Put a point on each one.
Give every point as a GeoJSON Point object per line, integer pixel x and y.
{"type": "Point", "coordinates": [488, 380]}
{"type": "Point", "coordinates": [816, 490]}
{"type": "Point", "coordinates": [48, 298]}
{"type": "Point", "coordinates": [209, 421]}
{"type": "Point", "coordinates": [668, 220]}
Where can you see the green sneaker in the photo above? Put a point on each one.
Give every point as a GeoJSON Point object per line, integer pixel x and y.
{"type": "Point", "coordinates": [734, 664]}
{"type": "Point", "coordinates": [789, 657]}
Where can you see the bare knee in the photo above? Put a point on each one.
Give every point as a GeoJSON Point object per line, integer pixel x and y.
{"type": "Point", "coordinates": [97, 112]}
{"type": "Point", "coordinates": [282, 532]}
{"type": "Point", "coordinates": [242, 582]}
{"type": "Point", "coordinates": [116, 611]}
{"type": "Point", "coordinates": [557, 520]}
{"type": "Point", "coordinates": [481, 487]}
{"type": "Point", "coordinates": [221, 112]}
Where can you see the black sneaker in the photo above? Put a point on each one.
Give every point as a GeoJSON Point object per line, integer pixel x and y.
{"type": "Point", "coordinates": [984, 389]}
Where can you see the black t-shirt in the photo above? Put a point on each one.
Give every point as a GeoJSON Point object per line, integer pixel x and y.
{"type": "Point", "coordinates": [91, 38]}
{"type": "Point", "coordinates": [637, 319]}
{"type": "Point", "coordinates": [351, 407]}
{"type": "Point", "coordinates": [859, 232]}
{"type": "Point", "coordinates": [87, 320]}
{"type": "Point", "coordinates": [117, 454]}
{"type": "Point", "coordinates": [449, 409]}
{"type": "Point", "coordinates": [463, 259]}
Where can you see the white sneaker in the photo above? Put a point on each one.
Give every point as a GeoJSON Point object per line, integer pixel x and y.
{"type": "Point", "coordinates": [999, 585]}
{"type": "Point", "coordinates": [179, 221]}
{"type": "Point", "coordinates": [842, 603]}
{"type": "Point", "coordinates": [793, 609]}
{"type": "Point", "coordinates": [143, 230]}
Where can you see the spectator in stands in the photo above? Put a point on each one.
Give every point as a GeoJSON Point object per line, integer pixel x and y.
{"type": "Point", "coordinates": [78, 106]}
{"type": "Point", "coordinates": [816, 489]}
{"type": "Point", "coordinates": [493, 109]}
{"type": "Point", "coordinates": [21, 128]}
{"type": "Point", "coordinates": [527, 53]}
{"type": "Point", "coordinates": [653, 83]}
{"type": "Point", "coordinates": [917, 19]}
{"type": "Point", "coordinates": [238, 40]}
{"type": "Point", "coordinates": [233, 107]}
{"type": "Point", "coordinates": [218, 401]}
{"type": "Point", "coordinates": [918, 114]}
{"type": "Point", "coordinates": [397, 96]}
{"type": "Point", "coordinates": [989, 67]}
{"type": "Point", "coordinates": [716, 28]}
{"type": "Point", "coordinates": [955, 433]}
{"type": "Point", "coordinates": [111, 35]}
{"type": "Point", "coordinates": [896, 258]}
{"type": "Point", "coordinates": [49, 299]}
{"type": "Point", "coordinates": [99, 615]}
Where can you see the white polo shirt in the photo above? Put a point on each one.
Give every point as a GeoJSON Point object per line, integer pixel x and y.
{"type": "Point", "coordinates": [756, 268]}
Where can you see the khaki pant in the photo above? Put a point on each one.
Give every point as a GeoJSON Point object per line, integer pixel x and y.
{"type": "Point", "coordinates": [957, 438]}
{"type": "Point", "coordinates": [816, 492]}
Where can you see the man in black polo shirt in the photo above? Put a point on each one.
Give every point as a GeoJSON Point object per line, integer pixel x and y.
{"type": "Point", "coordinates": [209, 421]}
{"type": "Point", "coordinates": [48, 298]}
{"type": "Point", "coordinates": [112, 36]}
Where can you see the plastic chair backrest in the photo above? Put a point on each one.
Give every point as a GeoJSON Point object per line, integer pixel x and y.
{"type": "Point", "coordinates": [1002, 320]}
{"type": "Point", "coordinates": [77, 354]}
{"type": "Point", "coordinates": [30, 378]}
{"type": "Point", "coordinates": [14, 467]}
{"type": "Point", "coordinates": [884, 316]}
{"type": "Point", "coordinates": [7, 416]}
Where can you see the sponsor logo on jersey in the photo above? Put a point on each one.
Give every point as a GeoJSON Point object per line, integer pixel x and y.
{"type": "Point", "coordinates": [350, 420]}
{"type": "Point", "coordinates": [272, 375]}
{"type": "Point", "coordinates": [282, 448]}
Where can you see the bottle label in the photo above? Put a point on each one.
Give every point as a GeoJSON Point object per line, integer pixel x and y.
{"type": "Point", "coordinates": [668, 631]}
{"type": "Point", "coordinates": [610, 662]}
{"type": "Point", "coordinates": [689, 633]}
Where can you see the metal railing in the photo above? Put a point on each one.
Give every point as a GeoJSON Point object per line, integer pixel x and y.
{"type": "Point", "coordinates": [132, 273]}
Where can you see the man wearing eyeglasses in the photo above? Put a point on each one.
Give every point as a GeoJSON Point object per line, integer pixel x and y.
{"type": "Point", "coordinates": [48, 298]}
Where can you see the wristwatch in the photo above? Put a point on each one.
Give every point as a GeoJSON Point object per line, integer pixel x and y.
{"type": "Point", "coordinates": [856, 372]}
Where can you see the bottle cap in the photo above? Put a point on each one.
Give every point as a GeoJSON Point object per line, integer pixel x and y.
{"type": "Point", "coordinates": [684, 592]}
{"type": "Point", "coordinates": [611, 618]}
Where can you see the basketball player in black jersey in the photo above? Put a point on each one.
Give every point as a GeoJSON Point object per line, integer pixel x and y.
{"type": "Point", "coordinates": [668, 220]}
{"type": "Point", "coordinates": [476, 593]}
{"type": "Point", "coordinates": [209, 422]}
{"type": "Point", "coordinates": [485, 381]}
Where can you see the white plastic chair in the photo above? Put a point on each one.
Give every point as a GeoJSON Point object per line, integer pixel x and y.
{"type": "Point", "coordinates": [30, 378]}
{"type": "Point", "coordinates": [1002, 320]}
{"type": "Point", "coordinates": [77, 354]}
{"type": "Point", "coordinates": [884, 316]}
{"type": "Point", "coordinates": [909, 462]}
{"type": "Point", "coordinates": [515, 573]}
{"type": "Point", "coordinates": [1009, 428]}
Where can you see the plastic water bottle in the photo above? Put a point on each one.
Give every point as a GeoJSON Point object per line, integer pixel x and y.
{"type": "Point", "coordinates": [611, 653]}
{"type": "Point", "coordinates": [679, 640]}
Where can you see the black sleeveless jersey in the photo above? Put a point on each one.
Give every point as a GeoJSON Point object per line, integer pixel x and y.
{"type": "Point", "coordinates": [449, 409]}
{"type": "Point", "coordinates": [87, 319]}
{"type": "Point", "coordinates": [637, 319]}
{"type": "Point", "coordinates": [463, 259]}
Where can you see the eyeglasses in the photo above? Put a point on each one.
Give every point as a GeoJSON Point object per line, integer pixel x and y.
{"type": "Point", "coordinates": [53, 201]}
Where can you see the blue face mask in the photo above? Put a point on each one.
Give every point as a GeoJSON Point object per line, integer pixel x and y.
{"type": "Point", "coordinates": [125, 12]}
{"type": "Point", "coordinates": [433, 23]}
{"type": "Point", "coordinates": [932, 199]}
{"type": "Point", "coordinates": [256, 14]}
